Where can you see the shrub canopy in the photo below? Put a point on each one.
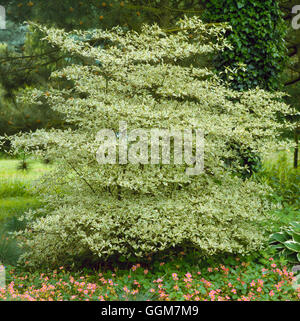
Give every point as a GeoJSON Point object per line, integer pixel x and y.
{"type": "Point", "coordinates": [154, 79]}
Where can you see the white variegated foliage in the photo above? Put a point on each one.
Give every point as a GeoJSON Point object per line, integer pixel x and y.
{"type": "Point", "coordinates": [153, 79]}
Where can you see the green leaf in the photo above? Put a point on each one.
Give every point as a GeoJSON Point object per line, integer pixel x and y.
{"type": "Point", "coordinates": [293, 246]}
{"type": "Point", "coordinates": [277, 246]}
{"type": "Point", "coordinates": [292, 259]}
{"type": "Point", "coordinates": [295, 225]}
{"type": "Point", "coordinates": [296, 237]}
{"type": "Point", "coordinates": [279, 237]}
{"type": "Point", "coordinates": [286, 252]}
{"type": "Point", "coordinates": [289, 232]}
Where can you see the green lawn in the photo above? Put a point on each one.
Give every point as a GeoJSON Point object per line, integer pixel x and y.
{"type": "Point", "coordinates": [8, 169]}
{"type": "Point", "coordinates": [16, 186]}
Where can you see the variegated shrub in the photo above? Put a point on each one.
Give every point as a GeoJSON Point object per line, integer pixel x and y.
{"type": "Point", "coordinates": [155, 79]}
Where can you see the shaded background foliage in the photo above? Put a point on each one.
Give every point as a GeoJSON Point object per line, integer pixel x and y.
{"type": "Point", "coordinates": [257, 37]}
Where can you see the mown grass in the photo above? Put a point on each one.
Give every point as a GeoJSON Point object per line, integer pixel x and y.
{"type": "Point", "coordinates": [17, 187]}
{"type": "Point", "coordinates": [9, 169]}
{"type": "Point", "coordinates": [16, 206]}
{"type": "Point", "coordinates": [17, 196]}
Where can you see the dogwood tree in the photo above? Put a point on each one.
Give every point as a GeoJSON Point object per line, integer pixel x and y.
{"type": "Point", "coordinates": [152, 79]}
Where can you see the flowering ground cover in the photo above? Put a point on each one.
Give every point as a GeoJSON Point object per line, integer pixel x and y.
{"type": "Point", "coordinates": [237, 279]}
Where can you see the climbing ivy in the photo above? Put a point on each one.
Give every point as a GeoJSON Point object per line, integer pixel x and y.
{"type": "Point", "coordinates": [257, 38]}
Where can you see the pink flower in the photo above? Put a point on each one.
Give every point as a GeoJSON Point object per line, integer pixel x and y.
{"type": "Point", "coordinates": [212, 292]}
{"type": "Point", "coordinates": [259, 289]}
{"type": "Point", "coordinates": [174, 276]}
{"type": "Point", "coordinates": [271, 293]}
{"type": "Point", "coordinates": [126, 289]}
{"type": "Point", "coordinates": [277, 286]}
{"type": "Point", "coordinates": [233, 291]}
{"type": "Point", "coordinates": [208, 284]}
